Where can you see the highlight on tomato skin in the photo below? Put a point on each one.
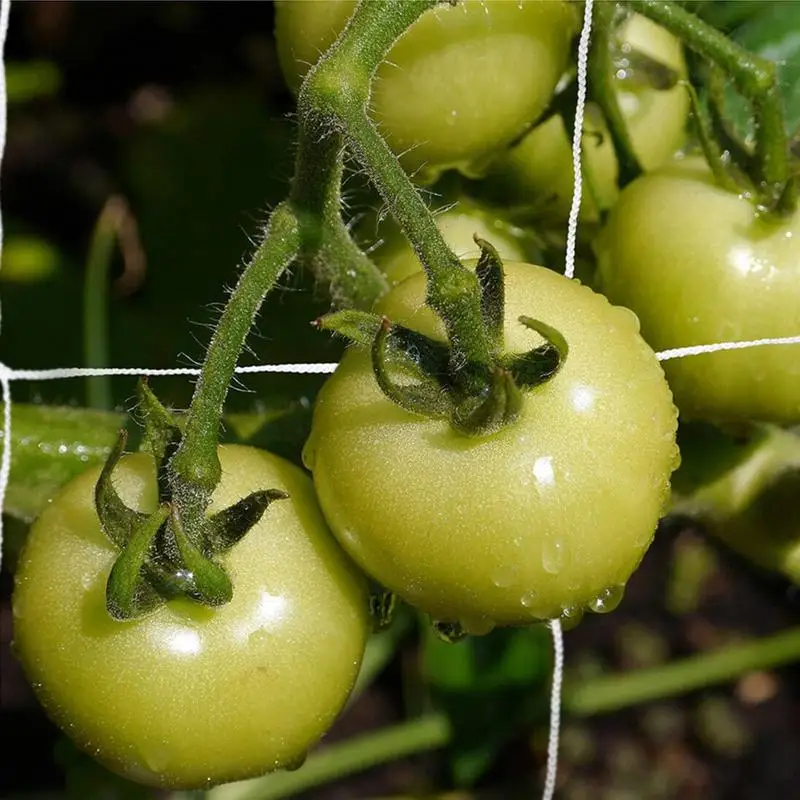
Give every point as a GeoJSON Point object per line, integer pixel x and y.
{"type": "Point", "coordinates": [189, 696]}
{"type": "Point", "coordinates": [547, 517]}
{"type": "Point", "coordinates": [699, 265]}
{"type": "Point", "coordinates": [463, 82]}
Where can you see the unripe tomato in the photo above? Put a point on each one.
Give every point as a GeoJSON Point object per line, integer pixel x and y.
{"type": "Point", "coordinates": [190, 696]}
{"type": "Point", "coordinates": [538, 171]}
{"type": "Point", "coordinates": [463, 82]}
{"type": "Point", "coordinates": [698, 265]}
{"type": "Point", "coordinates": [752, 505]}
{"type": "Point", "coordinates": [545, 517]}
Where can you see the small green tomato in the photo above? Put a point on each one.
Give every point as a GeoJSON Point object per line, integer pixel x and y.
{"type": "Point", "coordinates": [190, 696]}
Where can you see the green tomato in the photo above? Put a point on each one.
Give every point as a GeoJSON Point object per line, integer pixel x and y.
{"type": "Point", "coordinates": [549, 515]}
{"type": "Point", "coordinates": [698, 265]}
{"type": "Point", "coordinates": [190, 696]}
{"type": "Point", "coordinates": [750, 504]}
{"type": "Point", "coordinates": [397, 259]}
{"type": "Point", "coordinates": [538, 172]}
{"type": "Point", "coordinates": [460, 84]}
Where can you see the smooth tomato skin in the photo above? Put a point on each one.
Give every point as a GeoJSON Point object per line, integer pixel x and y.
{"type": "Point", "coordinates": [430, 98]}
{"type": "Point", "coordinates": [396, 257]}
{"type": "Point", "coordinates": [698, 265]}
{"type": "Point", "coordinates": [538, 171]}
{"type": "Point", "coordinates": [189, 696]}
{"type": "Point", "coordinates": [531, 522]}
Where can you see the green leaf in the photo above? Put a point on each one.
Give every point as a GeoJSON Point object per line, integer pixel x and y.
{"type": "Point", "coordinates": [774, 33]}
{"type": "Point", "coordinates": [491, 687]}
{"type": "Point", "coordinates": [50, 446]}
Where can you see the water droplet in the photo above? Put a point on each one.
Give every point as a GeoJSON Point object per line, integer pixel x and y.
{"type": "Point", "coordinates": [607, 600]}
{"type": "Point", "coordinates": [570, 617]}
{"type": "Point", "coordinates": [258, 637]}
{"type": "Point", "coordinates": [553, 555]}
{"type": "Point", "coordinates": [528, 599]}
{"type": "Point", "coordinates": [156, 758]}
{"type": "Point", "coordinates": [296, 763]}
{"type": "Point", "coordinates": [504, 576]}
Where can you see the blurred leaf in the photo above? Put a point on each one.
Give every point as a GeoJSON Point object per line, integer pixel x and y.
{"type": "Point", "coordinates": [51, 445]}
{"type": "Point", "coordinates": [774, 33]}
{"type": "Point", "coordinates": [31, 80]}
{"type": "Point", "coordinates": [707, 453]}
{"type": "Point", "coordinates": [728, 14]}
{"type": "Point", "coordinates": [490, 686]}
{"type": "Point", "coordinates": [28, 259]}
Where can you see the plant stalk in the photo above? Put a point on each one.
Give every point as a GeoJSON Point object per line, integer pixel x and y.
{"type": "Point", "coordinates": [196, 466]}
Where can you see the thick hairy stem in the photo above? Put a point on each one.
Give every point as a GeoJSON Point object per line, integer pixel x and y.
{"type": "Point", "coordinates": [755, 77]}
{"type": "Point", "coordinates": [327, 248]}
{"type": "Point", "coordinates": [334, 100]}
{"type": "Point", "coordinates": [196, 464]}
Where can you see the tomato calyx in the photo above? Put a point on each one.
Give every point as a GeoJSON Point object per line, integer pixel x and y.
{"type": "Point", "coordinates": [420, 375]}
{"type": "Point", "coordinates": [172, 551]}
{"type": "Point", "coordinates": [382, 604]}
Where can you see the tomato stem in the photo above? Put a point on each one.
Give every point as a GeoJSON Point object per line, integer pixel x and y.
{"type": "Point", "coordinates": [327, 249]}
{"type": "Point", "coordinates": [601, 77]}
{"type": "Point", "coordinates": [419, 735]}
{"type": "Point", "coordinates": [195, 467]}
{"type": "Point", "coordinates": [755, 77]}
{"type": "Point", "coordinates": [334, 99]}
{"type": "Point", "coordinates": [613, 692]}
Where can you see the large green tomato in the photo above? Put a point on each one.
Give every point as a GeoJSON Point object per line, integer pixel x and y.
{"type": "Point", "coordinates": [462, 82]}
{"type": "Point", "coordinates": [698, 265]}
{"type": "Point", "coordinates": [547, 516]}
{"type": "Point", "coordinates": [459, 225]}
{"type": "Point", "coordinates": [190, 696]}
{"type": "Point", "coordinates": [538, 171]}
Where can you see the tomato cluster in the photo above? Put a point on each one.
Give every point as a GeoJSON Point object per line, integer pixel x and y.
{"type": "Point", "coordinates": [541, 516]}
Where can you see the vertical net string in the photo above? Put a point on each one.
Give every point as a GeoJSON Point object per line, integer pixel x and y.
{"type": "Point", "coordinates": [577, 140]}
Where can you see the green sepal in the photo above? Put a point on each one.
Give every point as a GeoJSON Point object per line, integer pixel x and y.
{"type": "Point", "coordinates": [639, 70]}
{"type": "Point", "coordinates": [210, 582]}
{"type": "Point", "coordinates": [162, 435]}
{"type": "Point", "coordinates": [382, 603]}
{"type": "Point", "coordinates": [117, 520]}
{"type": "Point", "coordinates": [540, 364]}
{"type": "Point", "coordinates": [128, 594]}
{"type": "Point", "coordinates": [725, 173]}
{"type": "Point", "coordinates": [489, 272]}
{"type": "Point", "coordinates": [426, 397]}
{"type": "Point", "coordinates": [404, 345]}
{"type": "Point", "coordinates": [450, 632]}
{"type": "Point", "coordinates": [229, 526]}
{"type": "Point", "coordinates": [501, 404]}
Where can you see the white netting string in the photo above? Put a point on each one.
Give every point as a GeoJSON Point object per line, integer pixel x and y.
{"type": "Point", "coordinates": [577, 139]}
{"type": "Point", "coordinates": [8, 375]}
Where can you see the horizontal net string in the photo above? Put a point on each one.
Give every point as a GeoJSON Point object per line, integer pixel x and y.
{"type": "Point", "coordinates": [702, 349]}
{"type": "Point", "coordinates": [326, 368]}
{"type": "Point", "coordinates": [60, 373]}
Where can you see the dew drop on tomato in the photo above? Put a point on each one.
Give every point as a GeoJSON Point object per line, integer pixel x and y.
{"type": "Point", "coordinates": [607, 600]}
